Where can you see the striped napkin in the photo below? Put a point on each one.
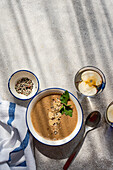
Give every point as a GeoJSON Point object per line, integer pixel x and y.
{"type": "Point", "coordinates": [15, 148]}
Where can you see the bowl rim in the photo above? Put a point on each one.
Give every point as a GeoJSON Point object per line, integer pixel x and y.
{"type": "Point", "coordinates": [105, 115]}
{"type": "Point", "coordinates": [55, 88]}
{"type": "Point", "coordinates": [90, 67]}
{"type": "Point", "coordinates": [30, 73]}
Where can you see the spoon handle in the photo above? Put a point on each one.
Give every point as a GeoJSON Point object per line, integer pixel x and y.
{"type": "Point", "coordinates": [68, 162]}
{"type": "Point", "coordinates": [77, 148]}
{"type": "Point", "coordinates": [74, 153]}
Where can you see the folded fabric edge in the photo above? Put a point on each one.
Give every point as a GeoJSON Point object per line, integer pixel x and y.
{"type": "Point", "coordinates": [10, 109]}
{"type": "Point", "coordinates": [22, 146]}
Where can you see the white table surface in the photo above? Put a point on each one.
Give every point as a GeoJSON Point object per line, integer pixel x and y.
{"type": "Point", "coordinates": [54, 39]}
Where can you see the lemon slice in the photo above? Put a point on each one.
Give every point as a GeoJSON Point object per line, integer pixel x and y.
{"type": "Point", "coordinates": [92, 78]}
{"type": "Point", "coordinates": [110, 113]}
{"type": "Point", "coordinates": [87, 90]}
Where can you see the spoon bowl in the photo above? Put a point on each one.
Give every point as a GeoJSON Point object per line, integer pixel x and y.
{"type": "Point", "coordinates": [93, 119]}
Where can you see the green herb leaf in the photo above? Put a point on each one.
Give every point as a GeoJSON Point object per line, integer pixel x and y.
{"type": "Point", "coordinates": [65, 97]}
{"type": "Point", "coordinates": [62, 110]}
{"type": "Point", "coordinates": [65, 109]}
{"type": "Point", "coordinates": [68, 112]}
{"type": "Point", "coordinates": [66, 105]}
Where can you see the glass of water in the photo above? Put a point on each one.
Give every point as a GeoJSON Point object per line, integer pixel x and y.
{"type": "Point", "coordinates": [89, 81]}
{"type": "Point", "coordinates": [109, 114]}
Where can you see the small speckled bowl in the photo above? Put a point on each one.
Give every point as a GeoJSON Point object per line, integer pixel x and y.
{"type": "Point", "coordinates": [17, 76]}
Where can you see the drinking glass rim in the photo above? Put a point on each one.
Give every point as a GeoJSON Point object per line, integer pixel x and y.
{"type": "Point", "coordinates": [97, 69]}
{"type": "Point", "coordinates": [106, 118]}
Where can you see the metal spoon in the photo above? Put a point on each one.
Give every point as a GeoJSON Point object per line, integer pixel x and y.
{"type": "Point", "coordinates": [91, 123]}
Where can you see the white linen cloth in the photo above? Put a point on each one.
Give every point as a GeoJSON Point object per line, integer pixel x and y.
{"type": "Point", "coordinates": [15, 148]}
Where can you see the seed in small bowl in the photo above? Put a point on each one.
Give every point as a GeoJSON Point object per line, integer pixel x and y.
{"type": "Point", "coordinates": [24, 86]}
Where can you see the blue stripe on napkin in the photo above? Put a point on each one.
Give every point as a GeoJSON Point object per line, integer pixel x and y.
{"type": "Point", "coordinates": [11, 113]}
{"type": "Point", "coordinates": [22, 146]}
{"type": "Point", "coordinates": [25, 142]}
{"type": "Point", "coordinates": [22, 164]}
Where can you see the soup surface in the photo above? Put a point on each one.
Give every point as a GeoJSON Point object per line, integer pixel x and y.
{"type": "Point", "coordinates": [49, 122]}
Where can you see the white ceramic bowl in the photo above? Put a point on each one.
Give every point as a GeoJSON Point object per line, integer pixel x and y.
{"type": "Point", "coordinates": [40, 95]}
{"type": "Point", "coordinates": [17, 76]}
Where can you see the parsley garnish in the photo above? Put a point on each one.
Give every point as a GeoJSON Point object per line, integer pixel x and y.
{"type": "Point", "coordinates": [65, 109]}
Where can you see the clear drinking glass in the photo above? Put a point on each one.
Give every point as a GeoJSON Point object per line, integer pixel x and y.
{"type": "Point", "coordinates": [89, 81]}
{"type": "Point", "coordinates": [109, 114]}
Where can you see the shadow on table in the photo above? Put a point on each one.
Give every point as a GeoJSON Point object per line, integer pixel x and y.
{"type": "Point", "coordinates": [21, 103]}
{"type": "Point", "coordinates": [58, 152]}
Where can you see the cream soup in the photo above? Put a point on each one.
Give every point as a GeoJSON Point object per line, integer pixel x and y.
{"type": "Point", "coordinates": [49, 122]}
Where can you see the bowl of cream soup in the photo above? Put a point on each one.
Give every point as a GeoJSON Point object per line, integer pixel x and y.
{"type": "Point", "coordinates": [54, 116]}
